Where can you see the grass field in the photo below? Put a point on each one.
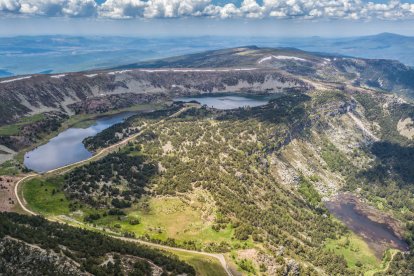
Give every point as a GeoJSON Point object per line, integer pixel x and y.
{"type": "Point", "coordinates": [171, 218]}
{"type": "Point", "coordinates": [167, 217]}
{"type": "Point", "coordinates": [9, 168]}
{"type": "Point", "coordinates": [13, 129]}
{"type": "Point", "coordinates": [40, 197]}
{"type": "Point", "coordinates": [355, 251]}
{"type": "Point", "coordinates": [204, 265]}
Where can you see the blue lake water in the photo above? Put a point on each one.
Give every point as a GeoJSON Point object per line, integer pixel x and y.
{"type": "Point", "coordinates": [226, 102]}
{"type": "Point", "coordinates": [67, 147]}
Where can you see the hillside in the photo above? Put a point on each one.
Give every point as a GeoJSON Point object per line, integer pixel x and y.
{"type": "Point", "coordinates": [251, 182]}
{"type": "Point", "coordinates": [247, 69]}
{"type": "Point", "coordinates": [57, 54]}
{"type": "Point", "coordinates": [264, 185]}
{"type": "Point", "coordinates": [32, 245]}
{"type": "Point", "coordinates": [380, 74]}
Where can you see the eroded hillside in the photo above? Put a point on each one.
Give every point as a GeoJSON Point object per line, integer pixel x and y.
{"type": "Point", "coordinates": [34, 246]}
{"type": "Point", "coordinates": [237, 70]}
{"type": "Point", "coordinates": [250, 182]}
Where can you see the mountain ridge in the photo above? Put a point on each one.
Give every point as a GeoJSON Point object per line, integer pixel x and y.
{"type": "Point", "coordinates": [240, 69]}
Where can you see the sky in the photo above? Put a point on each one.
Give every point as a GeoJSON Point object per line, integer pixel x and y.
{"type": "Point", "coordinates": [206, 17]}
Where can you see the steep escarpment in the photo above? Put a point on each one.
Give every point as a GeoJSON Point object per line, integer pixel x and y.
{"type": "Point", "coordinates": [254, 179]}
{"type": "Point", "coordinates": [245, 70]}
{"type": "Point", "coordinates": [250, 182]}
{"type": "Point", "coordinates": [381, 74]}
{"type": "Point", "coordinates": [18, 257]}
{"type": "Point", "coordinates": [27, 132]}
{"type": "Point", "coordinates": [91, 92]}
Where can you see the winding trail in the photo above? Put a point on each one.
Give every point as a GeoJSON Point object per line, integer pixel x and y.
{"type": "Point", "coordinates": [22, 203]}
{"type": "Point", "coordinates": [16, 191]}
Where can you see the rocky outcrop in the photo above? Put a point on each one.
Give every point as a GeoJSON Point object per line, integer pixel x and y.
{"type": "Point", "coordinates": [30, 133]}
{"type": "Point", "coordinates": [20, 258]}
{"type": "Point", "coordinates": [94, 92]}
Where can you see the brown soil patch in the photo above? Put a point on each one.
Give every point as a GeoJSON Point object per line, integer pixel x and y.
{"type": "Point", "coordinates": [8, 201]}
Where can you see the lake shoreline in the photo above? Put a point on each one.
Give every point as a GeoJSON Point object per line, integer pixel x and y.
{"type": "Point", "coordinates": [52, 153]}
{"type": "Point", "coordinates": [380, 230]}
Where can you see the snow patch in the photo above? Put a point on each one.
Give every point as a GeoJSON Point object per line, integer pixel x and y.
{"type": "Point", "coordinates": [381, 82]}
{"type": "Point", "coordinates": [58, 76]}
{"type": "Point", "coordinates": [326, 61]}
{"type": "Point", "coordinates": [195, 70]}
{"type": "Point", "coordinates": [119, 72]}
{"type": "Point", "coordinates": [280, 58]}
{"type": "Point", "coordinates": [154, 70]}
{"type": "Point", "coordinates": [91, 75]}
{"type": "Point", "coordinates": [265, 59]}
{"type": "Point", "coordinates": [16, 79]}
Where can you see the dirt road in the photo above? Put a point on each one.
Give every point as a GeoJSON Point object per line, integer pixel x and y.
{"type": "Point", "coordinates": [22, 203]}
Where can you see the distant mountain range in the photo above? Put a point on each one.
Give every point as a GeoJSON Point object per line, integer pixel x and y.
{"type": "Point", "coordinates": [57, 54]}
{"type": "Point", "coordinates": [381, 46]}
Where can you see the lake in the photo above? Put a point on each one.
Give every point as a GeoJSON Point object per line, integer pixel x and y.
{"type": "Point", "coordinates": [379, 233]}
{"type": "Point", "coordinates": [226, 102]}
{"type": "Point", "coordinates": [67, 147]}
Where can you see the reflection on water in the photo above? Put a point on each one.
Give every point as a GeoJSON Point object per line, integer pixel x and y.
{"type": "Point", "coordinates": [67, 147]}
{"type": "Point", "coordinates": [226, 102]}
{"type": "Point", "coordinates": [379, 236]}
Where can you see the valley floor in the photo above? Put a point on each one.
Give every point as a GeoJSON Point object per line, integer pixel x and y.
{"type": "Point", "coordinates": [211, 176]}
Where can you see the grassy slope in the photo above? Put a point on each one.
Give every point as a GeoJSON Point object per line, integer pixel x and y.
{"type": "Point", "coordinates": [355, 250]}
{"type": "Point", "coordinates": [174, 219]}
{"type": "Point", "coordinates": [180, 222]}
{"type": "Point", "coordinates": [205, 266]}
{"type": "Point", "coordinates": [40, 198]}
{"type": "Point", "coordinates": [8, 168]}
{"type": "Point", "coordinates": [171, 216]}
{"type": "Point", "coordinates": [38, 194]}
{"type": "Point", "coordinates": [13, 129]}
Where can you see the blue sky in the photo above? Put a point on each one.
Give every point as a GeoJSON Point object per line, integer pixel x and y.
{"type": "Point", "coordinates": [207, 17]}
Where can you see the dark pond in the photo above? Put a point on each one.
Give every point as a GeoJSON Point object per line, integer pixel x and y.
{"type": "Point", "coordinates": [379, 236]}
{"type": "Point", "coordinates": [67, 147]}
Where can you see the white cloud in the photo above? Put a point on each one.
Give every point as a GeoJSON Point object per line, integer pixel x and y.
{"type": "Point", "coordinates": [9, 6]}
{"type": "Point", "coordinates": [122, 8]}
{"type": "Point", "coordinates": [251, 9]}
{"type": "Point", "coordinates": [80, 8]}
{"type": "Point", "coordinates": [152, 8]}
{"type": "Point", "coordinates": [174, 8]}
{"type": "Point", "coordinates": [302, 9]}
{"type": "Point", "coordinates": [69, 8]}
{"type": "Point", "coordinates": [226, 11]}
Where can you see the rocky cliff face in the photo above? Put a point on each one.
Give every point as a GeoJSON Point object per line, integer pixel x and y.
{"type": "Point", "coordinates": [78, 92]}
{"type": "Point", "coordinates": [20, 258]}
{"type": "Point", "coordinates": [237, 70]}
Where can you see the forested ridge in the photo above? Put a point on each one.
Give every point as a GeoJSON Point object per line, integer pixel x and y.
{"type": "Point", "coordinates": [89, 250]}
{"type": "Point", "coordinates": [256, 177]}
{"type": "Point", "coordinates": [118, 179]}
